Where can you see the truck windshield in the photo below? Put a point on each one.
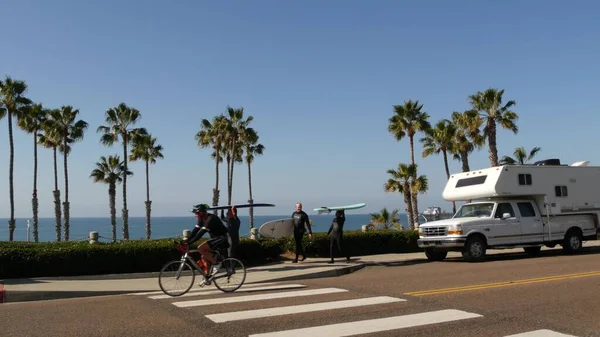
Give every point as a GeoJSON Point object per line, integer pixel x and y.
{"type": "Point", "coordinates": [475, 210]}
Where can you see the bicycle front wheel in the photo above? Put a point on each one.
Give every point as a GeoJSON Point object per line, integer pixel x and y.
{"type": "Point", "coordinates": [181, 274]}
{"type": "Point", "coordinates": [230, 276]}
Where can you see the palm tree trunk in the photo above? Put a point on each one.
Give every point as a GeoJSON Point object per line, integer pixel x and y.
{"type": "Point", "coordinates": [464, 158]}
{"type": "Point", "coordinates": [231, 182]}
{"type": "Point", "coordinates": [412, 150]}
{"type": "Point", "coordinates": [448, 177]}
{"type": "Point", "coordinates": [493, 149]}
{"type": "Point", "coordinates": [66, 203]}
{"type": "Point", "coordinates": [11, 221]}
{"type": "Point", "coordinates": [56, 193]}
{"type": "Point", "coordinates": [112, 193]}
{"type": "Point", "coordinates": [228, 180]}
{"type": "Point", "coordinates": [251, 201]}
{"type": "Point", "coordinates": [216, 189]}
{"type": "Point", "coordinates": [34, 200]}
{"type": "Point", "coordinates": [415, 209]}
{"type": "Point", "coordinates": [125, 212]}
{"type": "Point", "coordinates": [408, 207]}
{"type": "Point", "coordinates": [148, 202]}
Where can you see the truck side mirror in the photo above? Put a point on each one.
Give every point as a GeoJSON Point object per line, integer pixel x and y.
{"type": "Point", "coordinates": [505, 216]}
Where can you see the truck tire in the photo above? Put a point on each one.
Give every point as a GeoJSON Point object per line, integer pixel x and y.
{"type": "Point", "coordinates": [433, 255]}
{"type": "Point", "coordinates": [474, 249]}
{"type": "Point", "coordinates": [573, 241]}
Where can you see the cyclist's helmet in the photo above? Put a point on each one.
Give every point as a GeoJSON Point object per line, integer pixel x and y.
{"type": "Point", "coordinates": [200, 208]}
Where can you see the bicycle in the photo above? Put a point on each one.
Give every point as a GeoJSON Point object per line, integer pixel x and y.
{"type": "Point", "coordinates": [186, 266]}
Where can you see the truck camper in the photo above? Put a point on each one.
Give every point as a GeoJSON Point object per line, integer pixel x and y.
{"type": "Point", "coordinates": [517, 206]}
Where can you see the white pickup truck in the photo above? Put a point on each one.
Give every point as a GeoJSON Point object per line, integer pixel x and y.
{"type": "Point", "coordinates": [501, 223]}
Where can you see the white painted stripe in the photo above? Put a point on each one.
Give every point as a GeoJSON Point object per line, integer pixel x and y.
{"type": "Point", "coordinates": [205, 288]}
{"type": "Point", "coordinates": [541, 333]}
{"type": "Point", "coordinates": [241, 290]}
{"type": "Point", "coordinates": [374, 325]}
{"type": "Point", "coordinates": [271, 296]}
{"type": "Point", "coordinates": [295, 309]}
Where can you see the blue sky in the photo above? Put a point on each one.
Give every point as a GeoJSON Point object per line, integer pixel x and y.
{"type": "Point", "coordinates": [320, 78]}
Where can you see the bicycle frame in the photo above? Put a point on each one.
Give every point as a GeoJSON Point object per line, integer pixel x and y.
{"type": "Point", "coordinates": [186, 257]}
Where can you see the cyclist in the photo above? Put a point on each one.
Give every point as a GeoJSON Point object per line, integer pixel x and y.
{"type": "Point", "coordinates": [211, 224]}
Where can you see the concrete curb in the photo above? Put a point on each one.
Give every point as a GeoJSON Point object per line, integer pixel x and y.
{"type": "Point", "coordinates": [320, 274]}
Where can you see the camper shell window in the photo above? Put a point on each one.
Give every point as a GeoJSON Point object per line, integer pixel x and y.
{"type": "Point", "coordinates": [471, 181]}
{"type": "Point", "coordinates": [561, 191]}
{"type": "Point", "coordinates": [525, 179]}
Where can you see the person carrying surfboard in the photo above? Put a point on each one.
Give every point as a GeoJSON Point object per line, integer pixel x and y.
{"type": "Point", "coordinates": [337, 229]}
{"type": "Point", "coordinates": [301, 224]}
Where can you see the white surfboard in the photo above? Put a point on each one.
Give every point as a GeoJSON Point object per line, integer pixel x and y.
{"type": "Point", "coordinates": [277, 228]}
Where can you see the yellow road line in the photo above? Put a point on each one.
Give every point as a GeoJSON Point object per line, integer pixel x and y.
{"type": "Point", "coordinates": [501, 284]}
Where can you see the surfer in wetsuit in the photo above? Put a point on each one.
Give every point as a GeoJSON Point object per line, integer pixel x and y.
{"type": "Point", "coordinates": [233, 224]}
{"type": "Point", "coordinates": [301, 224]}
{"type": "Point", "coordinates": [337, 231]}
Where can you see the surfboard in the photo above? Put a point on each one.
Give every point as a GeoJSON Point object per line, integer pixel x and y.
{"type": "Point", "coordinates": [212, 208]}
{"type": "Point", "coordinates": [277, 228]}
{"type": "Point", "coordinates": [328, 209]}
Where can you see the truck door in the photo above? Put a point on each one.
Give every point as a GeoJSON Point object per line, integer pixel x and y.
{"type": "Point", "coordinates": [507, 230]}
{"type": "Point", "coordinates": [532, 229]}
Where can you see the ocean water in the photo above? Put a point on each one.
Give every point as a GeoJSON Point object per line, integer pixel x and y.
{"type": "Point", "coordinates": [162, 227]}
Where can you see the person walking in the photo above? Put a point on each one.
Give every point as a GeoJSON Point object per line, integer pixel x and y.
{"type": "Point", "coordinates": [336, 232]}
{"type": "Point", "coordinates": [301, 225]}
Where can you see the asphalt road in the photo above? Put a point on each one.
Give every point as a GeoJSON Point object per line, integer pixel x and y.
{"type": "Point", "coordinates": [503, 296]}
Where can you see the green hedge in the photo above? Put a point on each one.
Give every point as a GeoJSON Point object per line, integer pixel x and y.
{"type": "Point", "coordinates": [20, 260]}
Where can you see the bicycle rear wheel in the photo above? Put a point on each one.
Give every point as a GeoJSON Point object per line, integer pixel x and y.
{"type": "Point", "coordinates": [181, 273]}
{"type": "Point", "coordinates": [230, 276]}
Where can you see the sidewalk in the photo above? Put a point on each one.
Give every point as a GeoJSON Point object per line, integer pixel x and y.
{"type": "Point", "coordinates": [33, 289]}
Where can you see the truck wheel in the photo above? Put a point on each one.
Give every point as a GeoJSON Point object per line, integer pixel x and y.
{"type": "Point", "coordinates": [573, 242]}
{"type": "Point", "coordinates": [532, 250]}
{"type": "Point", "coordinates": [433, 255]}
{"type": "Point", "coordinates": [474, 249]}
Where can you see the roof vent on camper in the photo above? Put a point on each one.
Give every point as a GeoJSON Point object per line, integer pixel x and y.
{"type": "Point", "coordinates": [548, 162]}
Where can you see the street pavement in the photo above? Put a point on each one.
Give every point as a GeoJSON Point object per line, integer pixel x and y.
{"type": "Point", "coordinates": [553, 295]}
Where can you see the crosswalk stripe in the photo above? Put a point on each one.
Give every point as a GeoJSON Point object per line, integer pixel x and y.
{"type": "Point", "coordinates": [374, 325]}
{"type": "Point", "coordinates": [541, 333]}
{"type": "Point", "coordinates": [241, 290]}
{"type": "Point", "coordinates": [206, 288]}
{"type": "Point", "coordinates": [270, 296]}
{"type": "Point", "coordinates": [294, 309]}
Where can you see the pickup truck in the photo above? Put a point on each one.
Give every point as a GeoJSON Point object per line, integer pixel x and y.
{"type": "Point", "coordinates": [505, 224]}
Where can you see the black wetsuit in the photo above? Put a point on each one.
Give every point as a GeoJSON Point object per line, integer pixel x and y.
{"type": "Point", "coordinates": [301, 224]}
{"type": "Point", "coordinates": [215, 228]}
{"type": "Point", "coordinates": [337, 237]}
{"type": "Point", "coordinates": [234, 233]}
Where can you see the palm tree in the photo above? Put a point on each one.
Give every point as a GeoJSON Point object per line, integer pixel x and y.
{"type": "Point", "coordinates": [386, 219]}
{"type": "Point", "coordinates": [408, 119]}
{"type": "Point", "coordinates": [50, 140]}
{"type": "Point", "coordinates": [251, 148]}
{"type": "Point", "coordinates": [63, 122]}
{"type": "Point", "coordinates": [520, 156]}
{"type": "Point", "coordinates": [120, 120]}
{"type": "Point", "coordinates": [236, 124]}
{"type": "Point", "coordinates": [467, 137]}
{"type": "Point", "coordinates": [31, 121]}
{"type": "Point", "coordinates": [439, 139]}
{"type": "Point", "coordinates": [110, 171]}
{"type": "Point", "coordinates": [400, 182]}
{"type": "Point", "coordinates": [146, 149]}
{"type": "Point", "coordinates": [12, 103]}
{"type": "Point", "coordinates": [489, 103]}
{"type": "Point", "coordinates": [213, 135]}
{"type": "Point", "coordinates": [418, 185]}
